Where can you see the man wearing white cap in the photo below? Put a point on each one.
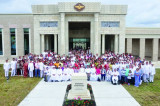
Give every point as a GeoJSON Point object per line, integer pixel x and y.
{"type": "Point", "coordinates": [6, 68]}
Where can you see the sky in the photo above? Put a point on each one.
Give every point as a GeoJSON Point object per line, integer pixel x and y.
{"type": "Point", "coordinates": [141, 13]}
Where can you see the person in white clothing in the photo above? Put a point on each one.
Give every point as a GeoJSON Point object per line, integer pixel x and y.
{"type": "Point", "coordinates": [109, 73]}
{"type": "Point", "coordinates": [82, 69]}
{"type": "Point", "coordinates": [6, 68]}
{"type": "Point", "coordinates": [146, 72]}
{"type": "Point", "coordinates": [71, 71]}
{"type": "Point", "coordinates": [31, 68]}
{"type": "Point", "coordinates": [152, 73]}
{"type": "Point", "coordinates": [53, 74]}
{"type": "Point", "coordinates": [59, 74]}
{"type": "Point", "coordinates": [13, 67]}
{"type": "Point", "coordinates": [41, 67]}
{"type": "Point", "coordinates": [65, 74]}
{"type": "Point", "coordinates": [93, 74]}
{"type": "Point", "coordinates": [115, 74]}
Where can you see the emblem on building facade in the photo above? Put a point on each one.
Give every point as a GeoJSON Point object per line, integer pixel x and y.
{"type": "Point", "coordinates": [79, 7]}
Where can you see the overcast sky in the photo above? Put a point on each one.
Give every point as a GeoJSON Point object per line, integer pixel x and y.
{"type": "Point", "coordinates": [141, 13]}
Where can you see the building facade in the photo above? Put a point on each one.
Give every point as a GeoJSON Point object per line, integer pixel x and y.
{"type": "Point", "coordinates": [63, 26]}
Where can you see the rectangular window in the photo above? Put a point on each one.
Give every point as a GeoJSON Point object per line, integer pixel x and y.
{"type": "Point", "coordinates": [1, 44]}
{"type": "Point", "coordinates": [49, 24]}
{"type": "Point", "coordinates": [110, 24]}
{"type": "Point", "coordinates": [13, 41]}
{"type": "Point", "coordinates": [26, 40]}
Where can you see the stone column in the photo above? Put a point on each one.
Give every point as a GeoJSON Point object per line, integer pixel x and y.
{"type": "Point", "coordinates": [6, 43]}
{"type": "Point", "coordinates": [19, 42]}
{"type": "Point", "coordinates": [129, 45]}
{"type": "Point", "coordinates": [155, 49]}
{"type": "Point", "coordinates": [97, 36]}
{"type": "Point", "coordinates": [116, 44]}
{"type": "Point", "coordinates": [103, 43]}
{"type": "Point", "coordinates": [42, 43]}
{"type": "Point", "coordinates": [62, 34]}
{"type": "Point", "coordinates": [55, 43]}
{"type": "Point", "coordinates": [142, 48]}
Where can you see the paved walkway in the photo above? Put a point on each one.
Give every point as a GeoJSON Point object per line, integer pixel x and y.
{"type": "Point", "coordinates": [106, 94]}
{"type": "Point", "coordinates": [52, 94]}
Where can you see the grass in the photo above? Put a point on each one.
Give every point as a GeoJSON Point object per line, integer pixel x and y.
{"type": "Point", "coordinates": [147, 94]}
{"type": "Point", "coordinates": [14, 91]}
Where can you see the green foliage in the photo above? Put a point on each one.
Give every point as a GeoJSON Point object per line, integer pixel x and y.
{"type": "Point", "coordinates": [16, 89]}
{"type": "Point", "coordinates": [147, 94]}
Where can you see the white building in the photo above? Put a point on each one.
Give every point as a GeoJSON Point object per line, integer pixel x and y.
{"type": "Point", "coordinates": [61, 26]}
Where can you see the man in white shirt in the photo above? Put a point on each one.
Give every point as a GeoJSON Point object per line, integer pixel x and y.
{"type": "Point", "coordinates": [31, 68]}
{"type": "Point", "coordinates": [6, 68]}
{"type": "Point", "coordinates": [41, 67]}
{"type": "Point", "coordinates": [13, 67]}
{"type": "Point", "coordinates": [115, 74]}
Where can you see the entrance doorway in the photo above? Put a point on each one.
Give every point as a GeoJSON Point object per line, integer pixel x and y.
{"type": "Point", "coordinates": [79, 35]}
{"type": "Point", "coordinates": [49, 42]}
{"type": "Point", "coordinates": [109, 42]}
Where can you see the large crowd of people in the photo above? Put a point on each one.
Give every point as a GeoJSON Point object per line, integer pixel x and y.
{"type": "Point", "coordinates": [111, 67]}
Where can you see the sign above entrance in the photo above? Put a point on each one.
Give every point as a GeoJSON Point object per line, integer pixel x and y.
{"type": "Point", "coordinates": [79, 7]}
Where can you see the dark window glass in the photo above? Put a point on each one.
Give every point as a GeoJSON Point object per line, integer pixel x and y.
{"type": "Point", "coordinates": [1, 45]}
{"type": "Point", "coordinates": [13, 41]}
{"type": "Point", "coordinates": [26, 41]}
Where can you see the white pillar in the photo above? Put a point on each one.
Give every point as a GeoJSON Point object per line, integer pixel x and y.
{"type": "Point", "coordinates": [155, 49]}
{"type": "Point", "coordinates": [129, 45]}
{"type": "Point", "coordinates": [103, 43]}
{"type": "Point", "coordinates": [142, 48]}
{"type": "Point", "coordinates": [55, 43]}
{"type": "Point", "coordinates": [116, 44]}
{"type": "Point", "coordinates": [62, 34]}
{"type": "Point", "coordinates": [42, 43]}
{"type": "Point", "coordinates": [97, 35]}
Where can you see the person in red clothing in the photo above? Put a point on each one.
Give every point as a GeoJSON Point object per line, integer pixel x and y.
{"type": "Point", "coordinates": [98, 73]}
{"type": "Point", "coordinates": [25, 68]}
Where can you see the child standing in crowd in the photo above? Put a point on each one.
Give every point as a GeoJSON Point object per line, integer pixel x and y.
{"type": "Point", "coordinates": [129, 77]}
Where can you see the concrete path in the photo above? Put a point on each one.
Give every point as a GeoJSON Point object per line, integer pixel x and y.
{"type": "Point", "coordinates": [52, 94]}
{"type": "Point", "coordinates": [46, 94]}
{"type": "Point", "coordinates": [106, 94]}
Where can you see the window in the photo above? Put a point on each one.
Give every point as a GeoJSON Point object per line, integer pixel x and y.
{"type": "Point", "coordinates": [49, 24]}
{"type": "Point", "coordinates": [13, 41]}
{"type": "Point", "coordinates": [1, 45]}
{"type": "Point", "coordinates": [109, 24]}
{"type": "Point", "coordinates": [26, 40]}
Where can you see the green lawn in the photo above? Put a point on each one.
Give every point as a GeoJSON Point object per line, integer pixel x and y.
{"type": "Point", "coordinates": [147, 95]}
{"type": "Point", "coordinates": [14, 91]}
